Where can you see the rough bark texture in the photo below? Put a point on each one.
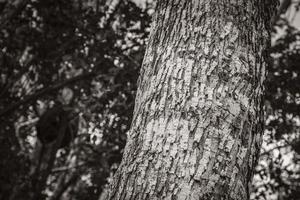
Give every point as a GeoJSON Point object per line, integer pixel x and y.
{"type": "Point", "coordinates": [197, 124]}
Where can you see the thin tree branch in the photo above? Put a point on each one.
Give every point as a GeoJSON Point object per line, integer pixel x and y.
{"type": "Point", "coordinates": [44, 91]}
{"type": "Point", "coordinates": [282, 9]}
{"type": "Point", "coordinates": [67, 168]}
{"type": "Point", "coordinates": [274, 148]}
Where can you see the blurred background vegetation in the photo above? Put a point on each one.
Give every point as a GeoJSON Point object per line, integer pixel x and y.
{"type": "Point", "coordinates": [76, 62]}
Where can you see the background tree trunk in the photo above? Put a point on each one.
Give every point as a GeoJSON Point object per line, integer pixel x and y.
{"type": "Point", "coordinates": [197, 123]}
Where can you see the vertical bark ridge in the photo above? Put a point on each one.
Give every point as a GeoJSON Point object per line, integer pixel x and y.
{"type": "Point", "coordinates": [196, 129]}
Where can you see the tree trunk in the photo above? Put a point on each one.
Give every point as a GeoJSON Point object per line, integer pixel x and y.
{"type": "Point", "coordinates": [198, 115]}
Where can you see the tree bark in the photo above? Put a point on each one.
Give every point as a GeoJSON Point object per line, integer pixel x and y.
{"type": "Point", "coordinates": [198, 115]}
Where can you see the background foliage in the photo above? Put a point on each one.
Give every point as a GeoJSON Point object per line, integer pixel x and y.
{"type": "Point", "coordinates": [94, 49]}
